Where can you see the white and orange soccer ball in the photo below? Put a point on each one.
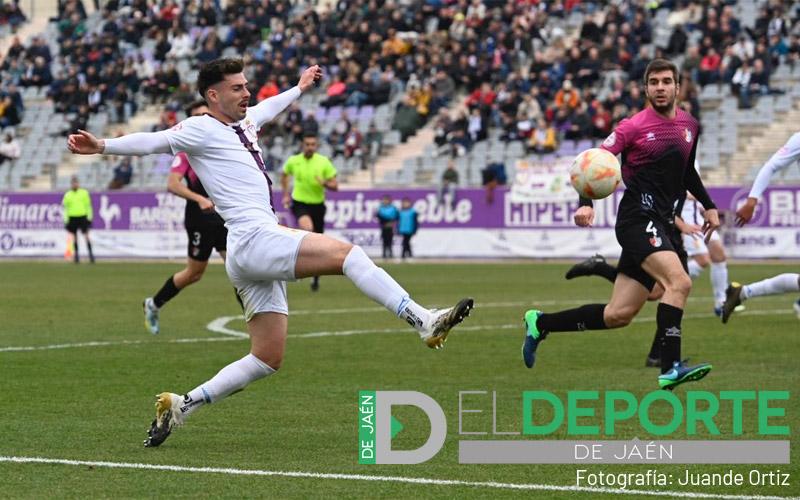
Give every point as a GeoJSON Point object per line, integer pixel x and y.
{"type": "Point", "coordinates": [595, 173]}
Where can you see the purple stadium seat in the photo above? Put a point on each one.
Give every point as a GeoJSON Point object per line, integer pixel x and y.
{"type": "Point", "coordinates": [352, 112]}
{"type": "Point", "coordinates": [567, 148]}
{"type": "Point", "coordinates": [334, 113]}
{"type": "Point", "coordinates": [366, 112]}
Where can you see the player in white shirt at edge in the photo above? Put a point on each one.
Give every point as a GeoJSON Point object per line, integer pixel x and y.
{"type": "Point", "coordinates": [782, 283]}
{"type": "Point", "coordinates": [262, 255]}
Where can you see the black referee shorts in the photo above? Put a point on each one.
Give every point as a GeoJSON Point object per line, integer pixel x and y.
{"type": "Point", "coordinates": [75, 224]}
{"type": "Point", "coordinates": [314, 210]}
{"type": "Point", "coordinates": [641, 237]}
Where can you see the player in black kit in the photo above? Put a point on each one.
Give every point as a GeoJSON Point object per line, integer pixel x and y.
{"type": "Point", "coordinates": [658, 147]}
{"type": "Point", "coordinates": [204, 228]}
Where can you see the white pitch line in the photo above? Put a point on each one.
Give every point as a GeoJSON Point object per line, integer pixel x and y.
{"type": "Point", "coordinates": [112, 343]}
{"type": "Point", "coordinates": [388, 479]}
{"type": "Point", "coordinates": [218, 326]}
{"type": "Point", "coordinates": [482, 305]}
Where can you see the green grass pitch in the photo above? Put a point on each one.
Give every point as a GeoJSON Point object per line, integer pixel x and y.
{"type": "Point", "coordinates": [94, 402]}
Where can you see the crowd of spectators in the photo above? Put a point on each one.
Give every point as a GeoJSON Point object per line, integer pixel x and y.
{"type": "Point", "coordinates": [582, 90]}
{"type": "Point", "coordinates": [421, 50]}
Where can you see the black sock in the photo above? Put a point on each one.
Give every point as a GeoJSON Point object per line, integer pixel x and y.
{"type": "Point", "coordinates": [588, 317]}
{"type": "Point", "coordinates": [75, 249]}
{"type": "Point", "coordinates": [316, 279]}
{"type": "Point", "coordinates": [606, 270]}
{"type": "Point", "coordinates": [238, 298]}
{"type": "Point", "coordinates": [668, 321]}
{"type": "Point", "coordinates": [89, 246]}
{"type": "Point", "coordinates": [655, 348]}
{"type": "Point", "coordinates": [167, 291]}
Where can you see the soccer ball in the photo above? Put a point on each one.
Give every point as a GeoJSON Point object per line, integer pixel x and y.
{"type": "Point", "coordinates": [595, 173]}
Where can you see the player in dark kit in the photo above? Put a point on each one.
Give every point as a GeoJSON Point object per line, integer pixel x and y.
{"type": "Point", "coordinates": [658, 147]}
{"type": "Point", "coordinates": [204, 227]}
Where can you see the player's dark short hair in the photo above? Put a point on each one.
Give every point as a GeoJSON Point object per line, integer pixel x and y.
{"type": "Point", "coordinates": [309, 135]}
{"type": "Point", "coordinates": [194, 105]}
{"type": "Point", "coordinates": [215, 71]}
{"type": "Point", "coordinates": [660, 64]}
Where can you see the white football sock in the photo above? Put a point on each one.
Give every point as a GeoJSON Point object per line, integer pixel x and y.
{"type": "Point", "coordinates": [719, 281]}
{"type": "Point", "coordinates": [694, 269]}
{"type": "Point", "coordinates": [382, 288]}
{"type": "Point", "coordinates": [230, 379]}
{"type": "Point", "coordinates": [782, 283]}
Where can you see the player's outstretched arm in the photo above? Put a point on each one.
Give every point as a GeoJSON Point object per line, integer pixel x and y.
{"type": "Point", "coordinates": [268, 109]}
{"type": "Point", "coordinates": [138, 144]}
{"type": "Point", "coordinates": [309, 77]}
{"type": "Point", "coordinates": [788, 154]}
{"type": "Point", "coordinates": [84, 143]}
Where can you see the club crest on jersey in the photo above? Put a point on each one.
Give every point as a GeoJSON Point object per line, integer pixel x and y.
{"type": "Point", "coordinates": [688, 135]}
{"type": "Point", "coordinates": [655, 241]}
{"type": "Point", "coordinates": [651, 137]}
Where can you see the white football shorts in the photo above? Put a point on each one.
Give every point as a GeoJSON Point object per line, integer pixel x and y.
{"type": "Point", "coordinates": [259, 263]}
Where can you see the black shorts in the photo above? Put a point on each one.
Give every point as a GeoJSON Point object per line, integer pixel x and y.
{"type": "Point", "coordinates": [75, 224]}
{"type": "Point", "coordinates": [204, 239]}
{"type": "Point", "coordinates": [641, 237]}
{"type": "Point", "coordinates": [314, 210]}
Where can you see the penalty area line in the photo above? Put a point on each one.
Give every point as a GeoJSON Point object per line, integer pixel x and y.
{"type": "Point", "coordinates": [365, 477]}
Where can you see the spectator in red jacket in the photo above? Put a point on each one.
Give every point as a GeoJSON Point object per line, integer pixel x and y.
{"type": "Point", "coordinates": [483, 96]}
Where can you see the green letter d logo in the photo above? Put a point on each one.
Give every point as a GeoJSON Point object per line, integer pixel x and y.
{"type": "Point", "coordinates": [384, 400]}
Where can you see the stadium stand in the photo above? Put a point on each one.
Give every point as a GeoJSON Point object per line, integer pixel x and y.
{"type": "Point", "coordinates": [407, 84]}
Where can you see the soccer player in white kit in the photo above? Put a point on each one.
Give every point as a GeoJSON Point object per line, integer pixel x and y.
{"type": "Point", "coordinates": [262, 255]}
{"type": "Point", "coordinates": [782, 283]}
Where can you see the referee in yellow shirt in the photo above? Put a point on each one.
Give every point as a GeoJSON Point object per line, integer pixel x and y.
{"type": "Point", "coordinates": [312, 173]}
{"type": "Point", "coordinates": [78, 216]}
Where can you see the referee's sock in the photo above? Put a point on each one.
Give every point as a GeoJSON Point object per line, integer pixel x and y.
{"type": "Point", "coordinates": [89, 246]}
{"type": "Point", "coordinates": [588, 317]}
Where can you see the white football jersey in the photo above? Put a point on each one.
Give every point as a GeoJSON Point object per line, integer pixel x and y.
{"type": "Point", "coordinates": [228, 170]}
{"type": "Point", "coordinates": [785, 156]}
